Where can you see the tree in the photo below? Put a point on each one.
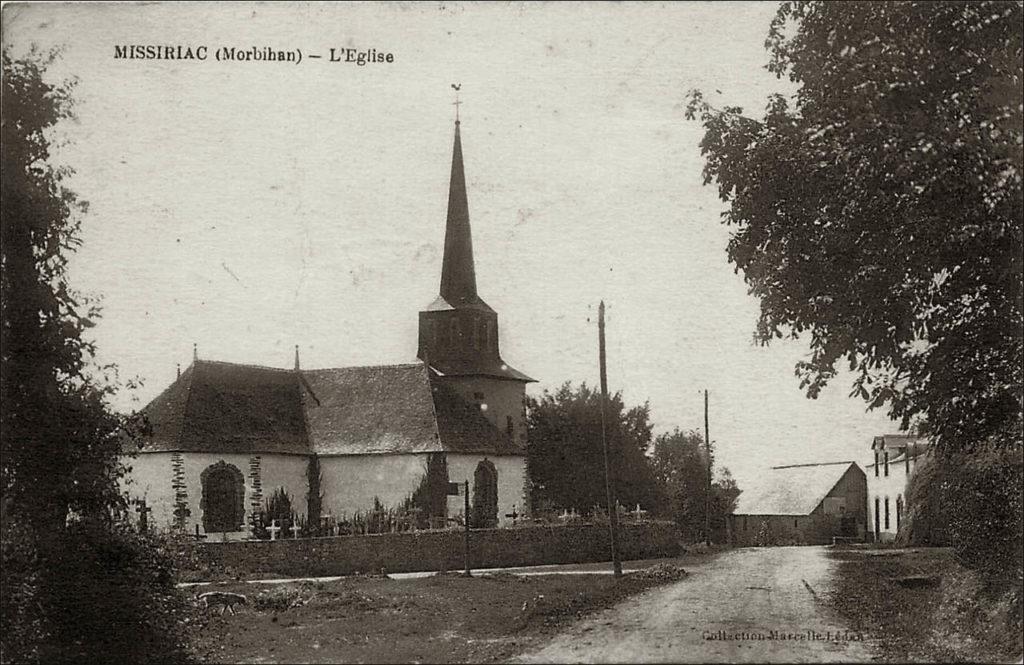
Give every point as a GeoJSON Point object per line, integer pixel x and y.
{"type": "Point", "coordinates": [564, 456]}
{"type": "Point", "coordinates": [77, 581]}
{"type": "Point", "coordinates": [680, 466]}
{"type": "Point", "coordinates": [879, 213]}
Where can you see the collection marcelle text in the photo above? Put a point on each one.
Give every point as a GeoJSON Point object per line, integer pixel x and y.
{"type": "Point", "coordinates": [354, 56]}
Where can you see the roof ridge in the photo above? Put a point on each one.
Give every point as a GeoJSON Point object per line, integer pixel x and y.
{"type": "Point", "coordinates": [793, 466]}
{"type": "Point", "coordinates": [191, 371]}
{"type": "Point", "coordinates": [378, 366]}
{"type": "Point", "coordinates": [249, 365]}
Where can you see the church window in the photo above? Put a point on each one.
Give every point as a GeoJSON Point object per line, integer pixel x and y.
{"type": "Point", "coordinates": [223, 500]}
{"type": "Point", "coordinates": [485, 496]}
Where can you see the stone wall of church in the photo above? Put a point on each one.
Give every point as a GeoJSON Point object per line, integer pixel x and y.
{"type": "Point", "coordinates": [511, 482]}
{"type": "Point", "coordinates": [502, 399]}
{"type": "Point", "coordinates": [153, 478]}
{"type": "Point", "coordinates": [350, 482]}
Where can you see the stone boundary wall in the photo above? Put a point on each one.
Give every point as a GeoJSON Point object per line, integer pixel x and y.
{"type": "Point", "coordinates": [429, 551]}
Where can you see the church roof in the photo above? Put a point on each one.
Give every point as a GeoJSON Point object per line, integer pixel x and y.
{"type": "Point", "coordinates": [230, 408]}
{"type": "Point", "coordinates": [791, 490]}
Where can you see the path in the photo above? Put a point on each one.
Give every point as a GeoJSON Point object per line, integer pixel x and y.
{"type": "Point", "coordinates": [726, 611]}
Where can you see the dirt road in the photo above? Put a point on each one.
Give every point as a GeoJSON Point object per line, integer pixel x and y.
{"type": "Point", "coordinates": [747, 605]}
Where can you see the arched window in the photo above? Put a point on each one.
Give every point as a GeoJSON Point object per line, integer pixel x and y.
{"type": "Point", "coordinates": [485, 496]}
{"type": "Point", "coordinates": [223, 501]}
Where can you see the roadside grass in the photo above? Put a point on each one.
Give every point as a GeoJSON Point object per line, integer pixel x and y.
{"type": "Point", "coordinates": [953, 616]}
{"type": "Point", "coordinates": [440, 619]}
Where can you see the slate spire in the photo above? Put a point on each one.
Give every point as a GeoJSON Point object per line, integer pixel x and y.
{"type": "Point", "coordinates": [458, 275]}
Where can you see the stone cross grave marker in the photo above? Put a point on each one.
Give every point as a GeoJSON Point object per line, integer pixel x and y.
{"type": "Point", "coordinates": [294, 528]}
{"type": "Point", "coordinates": [273, 529]}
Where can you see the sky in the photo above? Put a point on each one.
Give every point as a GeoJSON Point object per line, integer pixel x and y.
{"type": "Point", "coordinates": [246, 207]}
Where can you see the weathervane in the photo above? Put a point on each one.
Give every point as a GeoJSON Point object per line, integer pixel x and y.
{"type": "Point", "coordinates": [456, 87]}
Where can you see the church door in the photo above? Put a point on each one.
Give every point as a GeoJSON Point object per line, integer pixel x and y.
{"type": "Point", "coordinates": [485, 496]}
{"type": "Point", "coordinates": [223, 502]}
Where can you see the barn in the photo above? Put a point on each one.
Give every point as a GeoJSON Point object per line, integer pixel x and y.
{"type": "Point", "coordinates": [803, 504]}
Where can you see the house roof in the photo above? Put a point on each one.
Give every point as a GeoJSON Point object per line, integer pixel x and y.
{"type": "Point", "coordinates": [791, 490]}
{"type": "Point", "coordinates": [231, 408]}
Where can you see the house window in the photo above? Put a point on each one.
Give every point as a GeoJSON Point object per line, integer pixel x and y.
{"type": "Point", "coordinates": [876, 464]}
{"type": "Point", "coordinates": [886, 453]}
{"type": "Point", "coordinates": [899, 510]}
{"type": "Point", "coordinates": [877, 529]}
{"type": "Point", "coordinates": [886, 513]}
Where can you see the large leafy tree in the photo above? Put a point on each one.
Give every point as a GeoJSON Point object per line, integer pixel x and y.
{"type": "Point", "coordinates": [77, 582]}
{"type": "Point", "coordinates": [878, 212]}
{"type": "Point", "coordinates": [565, 456]}
{"type": "Point", "coordinates": [680, 464]}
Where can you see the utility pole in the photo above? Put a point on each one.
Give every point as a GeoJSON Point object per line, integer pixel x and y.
{"type": "Point", "coordinates": [613, 509]}
{"type": "Point", "coordinates": [465, 553]}
{"type": "Point", "coordinates": [707, 488]}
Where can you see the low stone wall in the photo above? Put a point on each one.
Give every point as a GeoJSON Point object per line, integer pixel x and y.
{"type": "Point", "coordinates": [429, 550]}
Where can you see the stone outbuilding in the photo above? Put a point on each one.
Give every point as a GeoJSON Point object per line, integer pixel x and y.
{"type": "Point", "coordinates": [803, 504]}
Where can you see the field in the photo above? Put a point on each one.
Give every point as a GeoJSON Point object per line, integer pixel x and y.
{"type": "Point", "coordinates": [438, 619]}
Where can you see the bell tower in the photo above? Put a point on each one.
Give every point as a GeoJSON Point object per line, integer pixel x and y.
{"type": "Point", "coordinates": [458, 332]}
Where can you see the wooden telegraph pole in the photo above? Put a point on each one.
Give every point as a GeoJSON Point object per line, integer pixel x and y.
{"type": "Point", "coordinates": [465, 550]}
{"type": "Point", "coordinates": [707, 488]}
{"type": "Point", "coordinates": [613, 510]}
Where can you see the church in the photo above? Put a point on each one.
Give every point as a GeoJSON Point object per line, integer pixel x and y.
{"type": "Point", "coordinates": [224, 437]}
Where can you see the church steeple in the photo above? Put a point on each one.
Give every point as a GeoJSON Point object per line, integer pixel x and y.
{"type": "Point", "coordinates": [458, 274]}
{"type": "Point", "coordinates": [459, 332]}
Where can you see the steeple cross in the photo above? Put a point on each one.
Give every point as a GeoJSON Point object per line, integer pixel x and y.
{"type": "Point", "coordinates": [456, 103]}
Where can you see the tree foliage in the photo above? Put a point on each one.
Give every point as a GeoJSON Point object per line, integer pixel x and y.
{"type": "Point", "coordinates": [77, 582]}
{"type": "Point", "coordinates": [565, 457]}
{"type": "Point", "coordinates": [680, 465]}
{"type": "Point", "coordinates": [878, 213]}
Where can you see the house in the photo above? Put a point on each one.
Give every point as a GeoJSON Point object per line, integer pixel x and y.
{"type": "Point", "coordinates": [802, 504]}
{"type": "Point", "coordinates": [895, 456]}
{"type": "Point", "coordinates": [226, 436]}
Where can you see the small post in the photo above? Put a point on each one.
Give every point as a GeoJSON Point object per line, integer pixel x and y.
{"type": "Point", "coordinates": [465, 553]}
{"type": "Point", "coordinates": [195, 352]}
{"type": "Point", "coordinates": [296, 357]}
{"type": "Point", "coordinates": [613, 509]}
